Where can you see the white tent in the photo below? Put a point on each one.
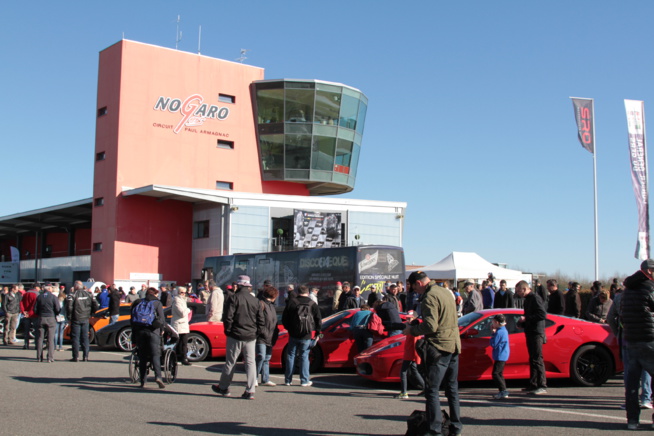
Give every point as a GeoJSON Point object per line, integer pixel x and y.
{"type": "Point", "coordinates": [461, 266]}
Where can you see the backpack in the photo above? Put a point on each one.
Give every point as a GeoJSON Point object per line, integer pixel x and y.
{"type": "Point", "coordinates": [417, 424]}
{"type": "Point", "coordinates": [143, 313]}
{"type": "Point", "coordinates": [304, 319]}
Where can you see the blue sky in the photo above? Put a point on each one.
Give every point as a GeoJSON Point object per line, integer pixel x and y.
{"type": "Point", "coordinates": [469, 119]}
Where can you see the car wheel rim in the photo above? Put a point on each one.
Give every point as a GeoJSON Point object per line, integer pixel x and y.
{"type": "Point", "coordinates": [125, 340]}
{"type": "Point", "coordinates": [196, 348]}
{"type": "Point", "coordinates": [591, 367]}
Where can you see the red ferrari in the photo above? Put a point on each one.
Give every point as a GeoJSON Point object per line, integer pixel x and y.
{"type": "Point", "coordinates": [335, 349]}
{"type": "Point", "coordinates": [584, 351]}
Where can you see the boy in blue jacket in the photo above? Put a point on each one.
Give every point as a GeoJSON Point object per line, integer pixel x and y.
{"type": "Point", "coordinates": [500, 343]}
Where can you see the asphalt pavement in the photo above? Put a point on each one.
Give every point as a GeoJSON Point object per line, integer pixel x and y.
{"type": "Point", "coordinates": [96, 398]}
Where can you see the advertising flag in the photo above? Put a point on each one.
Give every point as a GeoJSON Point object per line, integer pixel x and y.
{"type": "Point", "coordinates": [585, 117]}
{"type": "Point", "coordinates": [638, 158]}
{"type": "Point", "coordinates": [15, 255]}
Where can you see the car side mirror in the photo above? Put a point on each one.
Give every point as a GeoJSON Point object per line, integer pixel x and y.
{"type": "Point", "coordinates": [471, 333]}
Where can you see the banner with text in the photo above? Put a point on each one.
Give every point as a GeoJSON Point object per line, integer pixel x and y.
{"type": "Point", "coordinates": [585, 117]}
{"type": "Point", "coordinates": [316, 229]}
{"type": "Point", "coordinates": [638, 157]}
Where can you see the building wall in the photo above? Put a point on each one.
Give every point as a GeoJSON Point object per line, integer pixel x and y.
{"type": "Point", "coordinates": [148, 134]}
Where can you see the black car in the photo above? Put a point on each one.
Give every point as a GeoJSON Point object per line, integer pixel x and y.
{"type": "Point", "coordinates": [119, 335]}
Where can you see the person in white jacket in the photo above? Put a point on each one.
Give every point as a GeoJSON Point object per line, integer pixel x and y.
{"type": "Point", "coordinates": [181, 315]}
{"type": "Point", "coordinates": [215, 305]}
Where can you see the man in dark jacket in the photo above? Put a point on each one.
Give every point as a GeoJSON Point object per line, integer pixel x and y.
{"type": "Point", "coordinates": [556, 301]}
{"type": "Point", "coordinates": [148, 337]}
{"type": "Point", "coordinates": [533, 322]}
{"type": "Point", "coordinates": [572, 306]}
{"type": "Point", "coordinates": [354, 300]}
{"type": "Point", "coordinates": [503, 297]}
{"type": "Point", "coordinates": [46, 308]}
{"type": "Point", "coordinates": [11, 306]}
{"type": "Point", "coordinates": [80, 306]}
{"type": "Point", "coordinates": [390, 317]}
{"type": "Point", "coordinates": [636, 313]}
{"type": "Point", "coordinates": [114, 304]}
{"type": "Point", "coordinates": [243, 320]}
{"type": "Point", "coordinates": [301, 318]}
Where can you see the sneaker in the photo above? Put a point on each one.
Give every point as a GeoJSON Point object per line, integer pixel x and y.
{"type": "Point", "coordinates": [268, 383]}
{"type": "Point", "coordinates": [501, 395]}
{"type": "Point", "coordinates": [307, 384]}
{"type": "Point", "coordinates": [160, 383]}
{"type": "Point", "coordinates": [539, 391]}
{"type": "Point", "coordinates": [223, 392]}
{"type": "Point", "coordinates": [287, 384]}
{"type": "Point", "coordinates": [402, 396]}
{"type": "Point", "coordinates": [256, 383]}
{"type": "Point", "coordinates": [623, 406]}
{"type": "Point", "coordinates": [646, 405]}
{"type": "Point", "coordinates": [248, 395]}
{"type": "Point", "coordinates": [633, 426]}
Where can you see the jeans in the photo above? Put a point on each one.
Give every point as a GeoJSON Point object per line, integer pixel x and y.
{"type": "Point", "coordinates": [79, 336]}
{"type": "Point", "coordinates": [362, 338]}
{"type": "Point", "coordinates": [645, 378]}
{"type": "Point", "coordinates": [264, 353]}
{"type": "Point", "coordinates": [404, 372]}
{"type": "Point", "coordinates": [59, 335]}
{"type": "Point", "coordinates": [182, 348]}
{"type": "Point", "coordinates": [536, 364]}
{"type": "Point", "coordinates": [392, 333]}
{"type": "Point", "coordinates": [299, 347]}
{"type": "Point", "coordinates": [113, 319]}
{"type": "Point", "coordinates": [442, 368]}
{"type": "Point", "coordinates": [233, 349]}
{"type": "Point", "coordinates": [640, 358]}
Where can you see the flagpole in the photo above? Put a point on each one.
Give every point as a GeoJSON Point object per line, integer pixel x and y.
{"type": "Point", "coordinates": [595, 196]}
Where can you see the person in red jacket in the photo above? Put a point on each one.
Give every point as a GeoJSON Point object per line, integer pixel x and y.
{"type": "Point", "coordinates": [27, 309]}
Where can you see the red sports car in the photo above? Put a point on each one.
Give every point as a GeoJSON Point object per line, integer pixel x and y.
{"type": "Point", "coordinates": [334, 350]}
{"type": "Point", "coordinates": [585, 351]}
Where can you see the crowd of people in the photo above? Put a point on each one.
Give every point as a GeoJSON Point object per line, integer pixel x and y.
{"type": "Point", "coordinates": [251, 327]}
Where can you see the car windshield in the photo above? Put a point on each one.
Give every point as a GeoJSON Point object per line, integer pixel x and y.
{"type": "Point", "coordinates": [333, 319]}
{"type": "Point", "coordinates": [468, 319]}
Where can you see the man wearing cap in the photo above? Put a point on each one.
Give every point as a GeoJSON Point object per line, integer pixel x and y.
{"type": "Point", "coordinates": [637, 307]}
{"type": "Point", "coordinates": [474, 302]}
{"type": "Point", "coordinates": [354, 300]}
{"type": "Point", "coordinates": [243, 320]}
{"type": "Point", "coordinates": [80, 305]}
{"type": "Point", "coordinates": [441, 330]}
{"type": "Point", "coordinates": [47, 307]}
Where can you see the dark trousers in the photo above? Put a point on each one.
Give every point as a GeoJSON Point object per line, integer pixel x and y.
{"type": "Point", "coordinates": [47, 324]}
{"type": "Point", "coordinates": [442, 368]}
{"type": "Point", "coordinates": [362, 338]}
{"type": "Point", "coordinates": [79, 336]}
{"type": "Point", "coordinates": [536, 363]}
{"type": "Point", "coordinates": [28, 323]}
{"type": "Point", "coordinates": [149, 349]}
{"type": "Point", "coordinates": [182, 348]}
{"type": "Point", "coordinates": [498, 375]}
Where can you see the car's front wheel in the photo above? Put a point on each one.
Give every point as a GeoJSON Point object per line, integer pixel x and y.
{"type": "Point", "coordinates": [591, 365]}
{"type": "Point", "coordinates": [198, 347]}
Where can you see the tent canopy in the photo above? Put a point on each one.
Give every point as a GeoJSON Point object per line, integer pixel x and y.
{"type": "Point", "coordinates": [460, 265]}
